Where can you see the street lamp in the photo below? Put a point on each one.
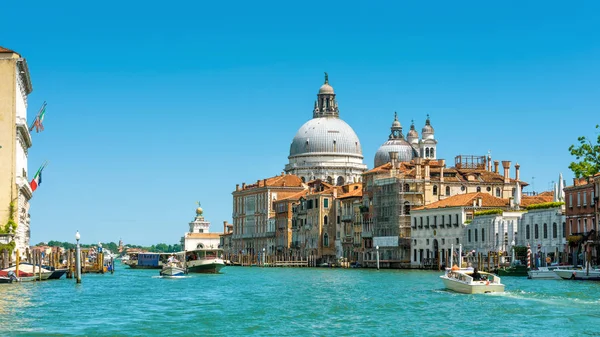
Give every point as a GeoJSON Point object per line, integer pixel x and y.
{"type": "Point", "coordinates": [377, 249]}
{"type": "Point", "coordinates": [512, 246]}
{"type": "Point", "coordinates": [263, 257]}
{"type": "Point", "coordinates": [78, 258]}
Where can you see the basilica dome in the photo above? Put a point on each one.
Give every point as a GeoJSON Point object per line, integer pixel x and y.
{"type": "Point", "coordinates": [326, 147]}
{"type": "Point", "coordinates": [405, 151]}
{"type": "Point", "coordinates": [395, 143]}
{"type": "Point", "coordinates": [325, 135]}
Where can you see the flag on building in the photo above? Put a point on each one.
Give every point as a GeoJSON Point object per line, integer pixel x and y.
{"type": "Point", "coordinates": [37, 123]}
{"type": "Point", "coordinates": [37, 179]}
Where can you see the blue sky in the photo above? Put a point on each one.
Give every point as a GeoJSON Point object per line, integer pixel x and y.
{"type": "Point", "coordinates": [155, 105]}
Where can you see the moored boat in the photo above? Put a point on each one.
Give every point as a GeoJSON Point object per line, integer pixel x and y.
{"type": "Point", "coordinates": [546, 273]}
{"type": "Point", "coordinates": [461, 281]}
{"type": "Point", "coordinates": [578, 274]}
{"type": "Point", "coordinates": [204, 260]}
{"type": "Point", "coordinates": [28, 270]}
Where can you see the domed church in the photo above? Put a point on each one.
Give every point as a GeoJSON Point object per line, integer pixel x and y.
{"type": "Point", "coordinates": [326, 147]}
{"type": "Point", "coordinates": [408, 148]}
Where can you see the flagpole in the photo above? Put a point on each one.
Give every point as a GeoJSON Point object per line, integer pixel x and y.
{"type": "Point", "coordinates": [37, 116]}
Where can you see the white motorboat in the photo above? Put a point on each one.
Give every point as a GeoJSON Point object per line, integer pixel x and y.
{"type": "Point", "coordinates": [461, 281]}
{"type": "Point", "coordinates": [546, 273]}
{"type": "Point", "coordinates": [29, 270]}
{"type": "Point", "coordinates": [173, 269]}
{"type": "Point", "coordinates": [578, 274]}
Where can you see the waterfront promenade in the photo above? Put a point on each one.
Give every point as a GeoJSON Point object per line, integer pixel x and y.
{"type": "Point", "coordinates": [245, 301]}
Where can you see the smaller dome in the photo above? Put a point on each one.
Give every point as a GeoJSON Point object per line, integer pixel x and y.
{"type": "Point", "coordinates": [326, 89]}
{"type": "Point", "coordinates": [199, 211]}
{"type": "Point", "coordinates": [427, 129]}
{"type": "Point", "coordinates": [405, 151]}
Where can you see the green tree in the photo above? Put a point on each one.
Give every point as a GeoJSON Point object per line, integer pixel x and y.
{"type": "Point", "coordinates": [587, 155]}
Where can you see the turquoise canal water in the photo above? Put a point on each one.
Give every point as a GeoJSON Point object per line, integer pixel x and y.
{"type": "Point", "coordinates": [246, 301]}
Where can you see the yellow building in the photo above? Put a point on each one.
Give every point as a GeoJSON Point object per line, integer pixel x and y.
{"type": "Point", "coordinates": [15, 140]}
{"type": "Point", "coordinates": [254, 215]}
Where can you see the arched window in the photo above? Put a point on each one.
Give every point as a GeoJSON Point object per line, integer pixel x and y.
{"type": "Point", "coordinates": [434, 189]}
{"type": "Point", "coordinates": [447, 190]}
{"type": "Point", "coordinates": [498, 192]}
{"type": "Point", "coordinates": [426, 152]}
{"type": "Point", "coordinates": [325, 240]}
{"type": "Point", "coordinates": [536, 231]}
{"type": "Point", "coordinates": [431, 153]}
{"type": "Point", "coordinates": [330, 180]}
{"type": "Point", "coordinates": [554, 230]}
{"type": "Point", "coordinates": [407, 208]}
{"type": "Point", "coordinates": [478, 189]}
{"type": "Point", "coordinates": [340, 181]}
{"type": "Point", "coordinates": [406, 188]}
{"type": "Point", "coordinates": [200, 246]}
{"type": "Point", "coordinates": [545, 231]}
{"type": "Point", "coordinates": [462, 188]}
{"type": "Point", "coordinates": [303, 179]}
{"type": "Point", "coordinates": [514, 191]}
{"type": "Point", "coordinates": [527, 235]}
{"type": "Point", "coordinates": [325, 220]}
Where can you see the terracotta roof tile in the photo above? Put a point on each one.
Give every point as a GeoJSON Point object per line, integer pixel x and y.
{"type": "Point", "coordinates": [286, 180]}
{"type": "Point", "coordinates": [6, 50]}
{"type": "Point", "coordinates": [465, 200]}
{"type": "Point", "coordinates": [353, 193]}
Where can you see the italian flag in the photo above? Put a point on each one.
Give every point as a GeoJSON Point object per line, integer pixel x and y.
{"type": "Point", "coordinates": [37, 179]}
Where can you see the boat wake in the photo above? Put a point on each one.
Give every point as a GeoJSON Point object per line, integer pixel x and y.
{"type": "Point", "coordinates": [546, 299]}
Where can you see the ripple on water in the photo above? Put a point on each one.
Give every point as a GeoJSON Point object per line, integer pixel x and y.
{"type": "Point", "coordinates": [292, 301]}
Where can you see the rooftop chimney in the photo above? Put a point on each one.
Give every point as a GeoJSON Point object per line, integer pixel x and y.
{"type": "Point", "coordinates": [427, 170]}
{"type": "Point", "coordinates": [517, 167]}
{"type": "Point", "coordinates": [237, 187]}
{"type": "Point", "coordinates": [496, 166]}
{"type": "Point", "coordinates": [224, 227]}
{"type": "Point", "coordinates": [506, 167]}
{"type": "Point", "coordinates": [243, 185]}
{"type": "Point", "coordinates": [441, 175]}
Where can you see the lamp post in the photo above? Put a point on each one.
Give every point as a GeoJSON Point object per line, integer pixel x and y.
{"type": "Point", "coordinates": [377, 249]}
{"type": "Point", "coordinates": [512, 246]}
{"type": "Point", "coordinates": [263, 257]}
{"type": "Point", "coordinates": [78, 258]}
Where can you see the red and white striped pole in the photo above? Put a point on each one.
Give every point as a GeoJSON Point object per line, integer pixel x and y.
{"type": "Point", "coordinates": [528, 257]}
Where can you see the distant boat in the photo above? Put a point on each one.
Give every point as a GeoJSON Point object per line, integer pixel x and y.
{"type": "Point", "coordinates": [146, 260]}
{"type": "Point", "coordinates": [204, 260]}
{"type": "Point", "coordinates": [461, 281]}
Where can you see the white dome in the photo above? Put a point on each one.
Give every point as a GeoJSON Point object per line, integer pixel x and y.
{"type": "Point", "coordinates": [325, 135]}
{"type": "Point", "coordinates": [326, 89]}
{"type": "Point", "coordinates": [405, 151]}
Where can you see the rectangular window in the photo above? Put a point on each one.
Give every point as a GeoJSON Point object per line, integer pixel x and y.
{"type": "Point", "coordinates": [316, 203]}
{"type": "Point", "coordinates": [570, 200]}
{"type": "Point", "coordinates": [469, 235]}
{"type": "Point", "coordinates": [584, 198]}
{"type": "Point", "coordinates": [578, 199]}
{"type": "Point", "coordinates": [592, 201]}
{"type": "Point", "coordinates": [326, 203]}
{"type": "Point", "coordinates": [475, 234]}
{"type": "Point", "coordinates": [435, 220]}
{"type": "Point", "coordinates": [585, 229]}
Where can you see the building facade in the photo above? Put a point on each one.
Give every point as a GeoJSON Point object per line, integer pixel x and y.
{"type": "Point", "coordinates": [348, 223]}
{"type": "Point", "coordinates": [15, 141]}
{"type": "Point", "coordinates": [581, 218]}
{"type": "Point", "coordinates": [199, 235]}
{"type": "Point", "coordinates": [326, 147]}
{"type": "Point", "coordinates": [314, 223]}
{"type": "Point", "coordinates": [254, 216]}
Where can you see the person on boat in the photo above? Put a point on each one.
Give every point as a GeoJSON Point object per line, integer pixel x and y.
{"type": "Point", "coordinates": [476, 276]}
{"type": "Point", "coordinates": [455, 267]}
